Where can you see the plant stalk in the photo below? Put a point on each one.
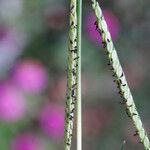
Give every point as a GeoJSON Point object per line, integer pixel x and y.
{"type": "Point", "coordinates": [79, 102]}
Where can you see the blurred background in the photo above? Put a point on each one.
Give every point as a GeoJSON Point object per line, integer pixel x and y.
{"type": "Point", "coordinates": [33, 62]}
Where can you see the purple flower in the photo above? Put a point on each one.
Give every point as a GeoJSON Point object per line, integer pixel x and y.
{"type": "Point", "coordinates": [112, 22]}
{"type": "Point", "coordinates": [52, 121]}
{"type": "Point", "coordinates": [30, 76]}
{"type": "Point", "coordinates": [26, 141]}
{"type": "Point", "coordinates": [12, 103]}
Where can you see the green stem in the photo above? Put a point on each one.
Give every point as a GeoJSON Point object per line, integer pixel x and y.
{"type": "Point", "coordinates": [119, 76]}
{"type": "Point", "coordinates": [79, 104]}
{"type": "Point", "coordinates": [123, 144]}
{"type": "Point", "coordinates": [71, 76]}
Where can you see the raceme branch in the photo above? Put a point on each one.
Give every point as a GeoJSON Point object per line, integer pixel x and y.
{"type": "Point", "coordinates": [119, 76]}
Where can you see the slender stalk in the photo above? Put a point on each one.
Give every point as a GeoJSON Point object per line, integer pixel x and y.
{"type": "Point", "coordinates": [119, 76]}
{"type": "Point", "coordinates": [79, 104]}
{"type": "Point", "coordinates": [123, 144]}
{"type": "Point", "coordinates": [71, 76]}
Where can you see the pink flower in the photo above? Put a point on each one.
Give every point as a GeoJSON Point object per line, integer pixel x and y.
{"type": "Point", "coordinates": [31, 76]}
{"type": "Point", "coordinates": [112, 22]}
{"type": "Point", "coordinates": [26, 141]}
{"type": "Point", "coordinates": [52, 121]}
{"type": "Point", "coordinates": [12, 104]}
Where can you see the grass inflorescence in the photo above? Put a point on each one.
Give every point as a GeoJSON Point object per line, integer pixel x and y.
{"type": "Point", "coordinates": [118, 74]}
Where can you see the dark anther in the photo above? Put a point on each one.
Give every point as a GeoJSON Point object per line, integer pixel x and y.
{"type": "Point", "coordinates": [121, 75]}
{"type": "Point", "coordinates": [70, 117]}
{"type": "Point", "coordinates": [95, 23]}
{"type": "Point", "coordinates": [96, 27]}
{"type": "Point", "coordinates": [68, 140]}
{"type": "Point", "coordinates": [128, 113]}
{"type": "Point", "coordinates": [107, 53]}
{"type": "Point", "coordinates": [121, 96]}
{"type": "Point", "coordinates": [75, 39]}
{"type": "Point", "coordinates": [114, 74]}
{"type": "Point", "coordinates": [73, 103]}
{"type": "Point", "coordinates": [75, 47]}
{"type": "Point", "coordinates": [76, 65]}
{"type": "Point", "coordinates": [74, 50]}
{"type": "Point", "coordinates": [124, 101]}
{"type": "Point", "coordinates": [75, 26]}
{"type": "Point", "coordinates": [130, 105]}
{"type": "Point", "coordinates": [72, 7]}
{"type": "Point", "coordinates": [120, 81]}
{"type": "Point", "coordinates": [99, 31]}
{"type": "Point", "coordinates": [74, 85]}
{"type": "Point", "coordinates": [67, 115]}
{"type": "Point", "coordinates": [136, 133]}
{"type": "Point", "coordinates": [68, 143]}
{"type": "Point", "coordinates": [102, 31]}
{"type": "Point", "coordinates": [76, 58]}
{"type": "Point", "coordinates": [134, 114]}
{"type": "Point", "coordinates": [104, 44]}
{"type": "Point", "coordinates": [71, 42]}
{"type": "Point", "coordinates": [108, 40]}
{"type": "Point", "coordinates": [74, 72]}
{"type": "Point", "coordinates": [72, 110]}
{"type": "Point", "coordinates": [124, 85]}
{"type": "Point", "coordinates": [121, 93]}
{"type": "Point", "coordinates": [73, 93]}
{"type": "Point", "coordinates": [72, 23]}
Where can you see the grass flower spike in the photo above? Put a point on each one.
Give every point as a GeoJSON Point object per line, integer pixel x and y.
{"type": "Point", "coordinates": [119, 76]}
{"type": "Point", "coordinates": [71, 75]}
